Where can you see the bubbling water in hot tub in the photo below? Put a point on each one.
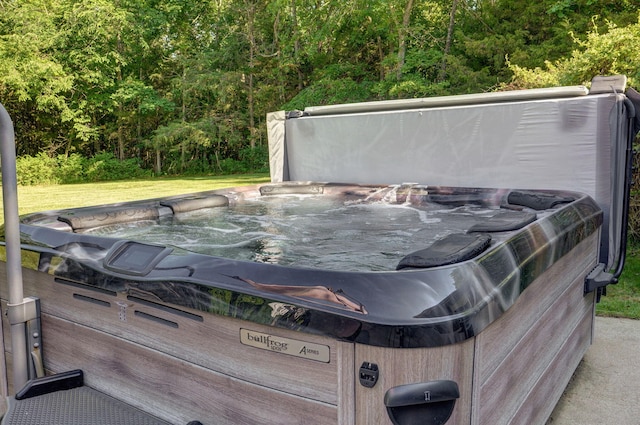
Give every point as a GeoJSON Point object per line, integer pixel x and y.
{"type": "Point", "coordinates": [307, 231]}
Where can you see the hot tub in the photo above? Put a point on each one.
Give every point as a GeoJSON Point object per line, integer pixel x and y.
{"type": "Point", "coordinates": [401, 266]}
{"type": "Point", "coordinates": [310, 281]}
{"type": "Point", "coordinates": [465, 298]}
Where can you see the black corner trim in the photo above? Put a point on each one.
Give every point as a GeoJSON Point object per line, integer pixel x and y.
{"type": "Point", "coordinates": [598, 278]}
{"type": "Point", "coordinates": [50, 384]}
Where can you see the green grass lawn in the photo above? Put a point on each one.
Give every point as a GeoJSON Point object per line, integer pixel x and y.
{"type": "Point", "coordinates": [44, 198]}
{"type": "Point", "coordinates": [622, 300]}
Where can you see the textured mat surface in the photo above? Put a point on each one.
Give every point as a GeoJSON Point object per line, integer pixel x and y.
{"type": "Point", "coordinates": [78, 406]}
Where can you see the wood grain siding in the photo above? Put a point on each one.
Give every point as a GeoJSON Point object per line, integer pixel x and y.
{"type": "Point", "coordinates": [212, 342]}
{"type": "Point", "coordinates": [346, 384]}
{"type": "Point", "coordinates": [496, 342]}
{"type": "Point", "coordinates": [513, 353]}
{"type": "Point", "coordinates": [406, 366]}
{"type": "Point", "coordinates": [173, 389]}
{"type": "Point", "coordinates": [545, 394]}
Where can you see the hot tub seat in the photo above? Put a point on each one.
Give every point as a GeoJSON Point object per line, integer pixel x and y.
{"type": "Point", "coordinates": [195, 203]}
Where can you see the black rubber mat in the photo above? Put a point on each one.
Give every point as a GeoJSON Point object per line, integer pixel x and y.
{"type": "Point", "coordinates": [78, 406]}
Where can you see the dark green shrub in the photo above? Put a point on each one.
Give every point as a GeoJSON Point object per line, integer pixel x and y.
{"type": "Point", "coordinates": [39, 169]}
{"type": "Point", "coordinates": [104, 166]}
{"type": "Point", "coordinates": [75, 168]}
{"type": "Point", "coordinates": [71, 168]}
{"type": "Point", "coordinates": [232, 166]}
{"type": "Point", "coordinates": [196, 167]}
{"type": "Point", "coordinates": [255, 159]}
{"type": "Point", "coordinates": [42, 169]}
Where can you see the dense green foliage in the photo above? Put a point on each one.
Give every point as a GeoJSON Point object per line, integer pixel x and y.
{"type": "Point", "coordinates": [609, 52]}
{"type": "Point", "coordinates": [74, 168]}
{"type": "Point", "coordinates": [184, 85]}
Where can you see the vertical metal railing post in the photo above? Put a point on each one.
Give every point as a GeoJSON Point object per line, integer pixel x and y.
{"type": "Point", "coordinates": [12, 239]}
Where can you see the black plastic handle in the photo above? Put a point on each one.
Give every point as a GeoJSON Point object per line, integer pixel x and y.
{"type": "Point", "coordinates": [421, 393]}
{"type": "Point", "coordinates": [425, 403]}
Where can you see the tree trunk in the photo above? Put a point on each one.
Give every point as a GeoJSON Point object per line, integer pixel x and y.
{"type": "Point", "coordinates": [402, 38]}
{"type": "Point", "coordinates": [183, 116]}
{"type": "Point", "coordinates": [120, 133]}
{"type": "Point", "coordinates": [296, 42]}
{"type": "Point", "coordinates": [380, 60]}
{"type": "Point", "coordinates": [120, 109]}
{"type": "Point", "coordinates": [251, 12]}
{"type": "Point", "coordinates": [447, 44]}
{"type": "Point", "coordinates": [158, 164]}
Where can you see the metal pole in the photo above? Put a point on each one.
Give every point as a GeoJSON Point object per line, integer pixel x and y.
{"type": "Point", "coordinates": [12, 239]}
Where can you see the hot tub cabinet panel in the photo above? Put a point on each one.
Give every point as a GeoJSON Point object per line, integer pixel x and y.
{"type": "Point", "coordinates": [523, 361]}
{"type": "Point", "coordinates": [164, 356]}
{"type": "Point", "coordinates": [515, 370]}
{"type": "Point", "coordinates": [179, 372]}
{"type": "Point", "coordinates": [235, 342]}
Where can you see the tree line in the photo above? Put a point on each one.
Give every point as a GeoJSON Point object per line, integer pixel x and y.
{"type": "Point", "coordinates": [183, 86]}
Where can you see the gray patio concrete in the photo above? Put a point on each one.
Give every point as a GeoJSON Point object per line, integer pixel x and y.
{"type": "Point", "coordinates": [605, 390]}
